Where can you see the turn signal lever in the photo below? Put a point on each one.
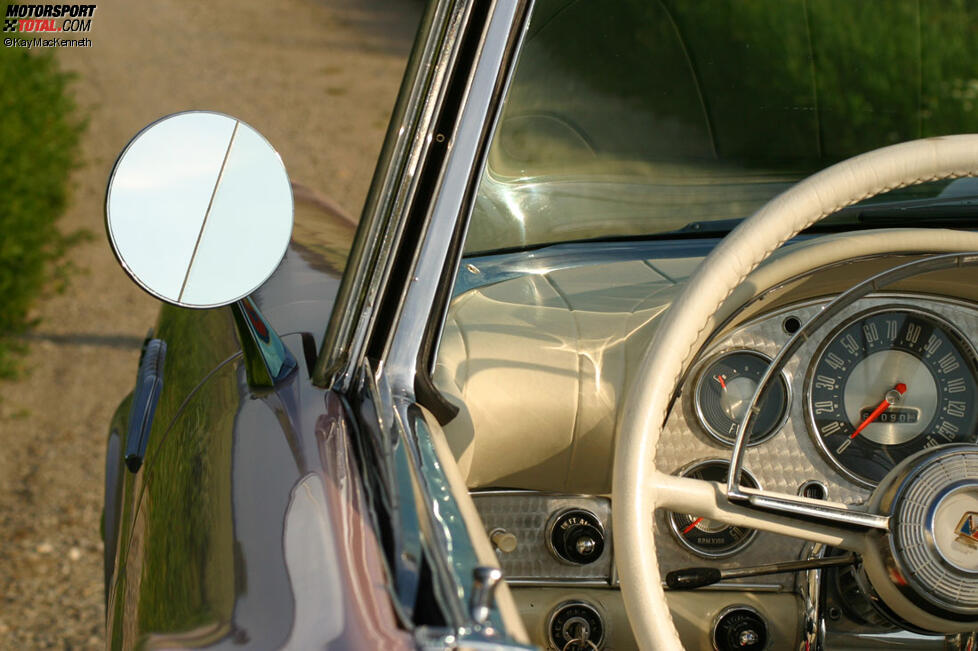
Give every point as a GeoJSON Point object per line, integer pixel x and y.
{"type": "Point", "coordinates": [698, 577]}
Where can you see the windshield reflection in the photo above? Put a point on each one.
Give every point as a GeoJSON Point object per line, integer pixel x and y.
{"type": "Point", "coordinates": [628, 117]}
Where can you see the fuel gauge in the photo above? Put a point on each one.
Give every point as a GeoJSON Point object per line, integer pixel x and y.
{"type": "Point", "coordinates": [724, 388]}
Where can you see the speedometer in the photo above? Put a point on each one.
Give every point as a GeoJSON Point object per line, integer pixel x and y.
{"type": "Point", "coordinates": [887, 384]}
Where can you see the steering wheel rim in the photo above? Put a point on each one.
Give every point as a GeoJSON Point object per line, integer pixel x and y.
{"type": "Point", "coordinates": [638, 488]}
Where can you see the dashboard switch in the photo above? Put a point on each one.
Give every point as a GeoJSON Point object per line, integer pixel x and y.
{"type": "Point", "coordinates": [740, 629]}
{"type": "Point", "coordinates": [576, 536]}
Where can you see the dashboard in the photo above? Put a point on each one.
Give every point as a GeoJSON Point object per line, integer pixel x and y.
{"type": "Point", "coordinates": [538, 364]}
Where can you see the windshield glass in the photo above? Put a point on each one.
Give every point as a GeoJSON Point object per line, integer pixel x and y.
{"type": "Point", "coordinates": [638, 117]}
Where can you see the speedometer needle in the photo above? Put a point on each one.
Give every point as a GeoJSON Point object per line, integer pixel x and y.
{"type": "Point", "coordinates": [891, 396]}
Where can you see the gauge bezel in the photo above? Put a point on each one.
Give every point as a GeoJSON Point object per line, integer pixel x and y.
{"type": "Point", "coordinates": [673, 527]}
{"type": "Point", "coordinates": [813, 432]}
{"type": "Point", "coordinates": [699, 372]}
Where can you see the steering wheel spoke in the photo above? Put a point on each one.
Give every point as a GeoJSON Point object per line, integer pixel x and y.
{"type": "Point", "coordinates": [830, 524]}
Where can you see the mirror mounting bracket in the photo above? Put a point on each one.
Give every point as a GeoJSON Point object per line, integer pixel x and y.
{"type": "Point", "coordinates": [267, 360]}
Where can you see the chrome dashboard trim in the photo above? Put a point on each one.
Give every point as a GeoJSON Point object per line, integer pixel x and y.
{"type": "Point", "coordinates": [557, 583]}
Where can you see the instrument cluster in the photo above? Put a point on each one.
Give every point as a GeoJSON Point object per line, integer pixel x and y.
{"type": "Point", "coordinates": [886, 377]}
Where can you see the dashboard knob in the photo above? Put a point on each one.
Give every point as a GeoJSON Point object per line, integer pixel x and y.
{"type": "Point", "coordinates": [740, 629]}
{"type": "Point", "coordinates": [503, 540]}
{"type": "Point", "coordinates": [576, 536]}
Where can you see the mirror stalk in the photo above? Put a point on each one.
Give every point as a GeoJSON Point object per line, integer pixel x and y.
{"type": "Point", "coordinates": [267, 360]}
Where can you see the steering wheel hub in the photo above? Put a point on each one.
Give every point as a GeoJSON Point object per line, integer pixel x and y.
{"type": "Point", "coordinates": [932, 551]}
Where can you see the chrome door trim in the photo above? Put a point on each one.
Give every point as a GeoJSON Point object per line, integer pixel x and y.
{"type": "Point", "coordinates": [506, 26]}
{"type": "Point", "coordinates": [406, 148]}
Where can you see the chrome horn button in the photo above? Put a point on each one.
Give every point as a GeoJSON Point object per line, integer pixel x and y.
{"type": "Point", "coordinates": [932, 500]}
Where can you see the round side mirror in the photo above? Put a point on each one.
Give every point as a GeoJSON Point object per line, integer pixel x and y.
{"type": "Point", "coordinates": [199, 209]}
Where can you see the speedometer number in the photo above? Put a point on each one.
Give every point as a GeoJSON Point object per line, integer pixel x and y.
{"type": "Point", "coordinates": [887, 384]}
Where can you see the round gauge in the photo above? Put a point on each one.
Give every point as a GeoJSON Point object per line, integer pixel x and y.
{"type": "Point", "coordinates": [724, 389]}
{"type": "Point", "coordinates": [705, 537]}
{"type": "Point", "coordinates": [887, 384]}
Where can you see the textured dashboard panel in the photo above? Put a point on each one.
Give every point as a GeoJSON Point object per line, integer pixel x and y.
{"type": "Point", "coordinates": [525, 514]}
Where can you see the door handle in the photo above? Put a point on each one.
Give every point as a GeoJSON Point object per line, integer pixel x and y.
{"type": "Point", "coordinates": [149, 385]}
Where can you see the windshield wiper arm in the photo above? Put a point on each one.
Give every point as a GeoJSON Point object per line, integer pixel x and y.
{"type": "Point", "coordinates": [930, 213]}
{"type": "Point", "coordinates": [930, 216]}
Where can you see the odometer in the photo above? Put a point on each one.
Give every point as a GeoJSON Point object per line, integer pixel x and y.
{"type": "Point", "coordinates": [887, 384]}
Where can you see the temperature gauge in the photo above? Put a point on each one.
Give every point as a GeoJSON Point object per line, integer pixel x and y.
{"type": "Point", "coordinates": [723, 392]}
{"type": "Point", "coordinates": [709, 538]}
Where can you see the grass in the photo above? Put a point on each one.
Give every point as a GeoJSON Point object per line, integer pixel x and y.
{"type": "Point", "coordinates": [39, 144]}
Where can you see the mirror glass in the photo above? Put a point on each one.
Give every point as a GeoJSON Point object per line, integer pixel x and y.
{"type": "Point", "coordinates": [199, 209]}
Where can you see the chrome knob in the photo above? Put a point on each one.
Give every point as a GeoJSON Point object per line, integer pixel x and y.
{"type": "Point", "coordinates": [576, 536]}
{"type": "Point", "coordinates": [748, 637]}
{"type": "Point", "coordinates": [503, 540]}
{"type": "Point", "coordinates": [585, 546]}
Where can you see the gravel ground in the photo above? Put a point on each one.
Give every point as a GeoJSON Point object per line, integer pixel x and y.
{"type": "Point", "coordinates": [318, 79]}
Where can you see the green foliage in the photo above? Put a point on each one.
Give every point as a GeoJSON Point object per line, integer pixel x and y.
{"type": "Point", "coordinates": [769, 84]}
{"type": "Point", "coordinates": [39, 137]}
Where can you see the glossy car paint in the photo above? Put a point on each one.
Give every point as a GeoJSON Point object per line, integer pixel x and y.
{"type": "Point", "coordinates": [248, 502]}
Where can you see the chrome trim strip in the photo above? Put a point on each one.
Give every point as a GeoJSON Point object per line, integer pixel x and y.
{"type": "Point", "coordinates": [558, 583]}
{"type": "Point", "coordinates": [727, 586]}
{"type": "Point", "coordinates": [468, 148]}
{"type": "Point", "coordinates": [392, 190]}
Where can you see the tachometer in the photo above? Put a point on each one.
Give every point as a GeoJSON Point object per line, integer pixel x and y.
{"type": "Point", "coordinates": [705, 537]}
{"type": "Point", "coordinates": [887, 384]}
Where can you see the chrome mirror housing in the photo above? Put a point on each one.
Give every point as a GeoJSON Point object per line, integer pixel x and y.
{"type": "Point", "coordinates": [199, 209]}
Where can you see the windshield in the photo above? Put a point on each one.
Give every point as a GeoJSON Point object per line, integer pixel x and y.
{"type": "Point", "coordinates": [638, 117]}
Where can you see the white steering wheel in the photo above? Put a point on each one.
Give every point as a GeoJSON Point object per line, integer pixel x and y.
{"type": "Point", "coordinates": [639, 488]}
